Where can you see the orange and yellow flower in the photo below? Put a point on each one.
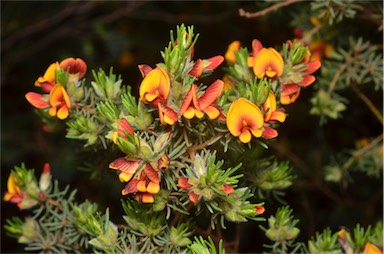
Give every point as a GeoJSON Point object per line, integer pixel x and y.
{"type": "Point", "coordinates": [268, 63]}
{"type": "Point", "coordinates": [155, 87]}
{"type": "Point", "coordinates": [230, 55]}
{"type": "Point", "coordinates": [14, 193]}
{"type": "Point", "coordinates": [60, 102]}
{"type": "Point", "coordinates": [47, 81]}
{"type": "Point", "coordinates": [272, 115]}
{"type": "Point", "coordinates": [123, 128]}
{"type": "Point", "coordinates": [371, 249]}
{"type": "Point", "coordinates": [56, 97]}
{"type": "Point", "coordinates": [193, 106]}
{"type": "Point", "coordinates": [244, 120]}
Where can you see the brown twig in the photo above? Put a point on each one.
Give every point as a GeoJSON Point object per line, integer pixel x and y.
{"type": "Point", "coordinates": [274, 7]}
{"type": "Point", "coordinates": [368, 102]}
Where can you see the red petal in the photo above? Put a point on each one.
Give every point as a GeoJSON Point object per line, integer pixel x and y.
{"type": "Point", "coordinates": [125, 165]}
{"type": "Point", "coordinates": [75, 66]}
{"type": "Point", "coordinates": [37, 100]}
{"type": "Point", "coordinates": [212, 93]}
{"type": "Point", "coordinates": [184, 184]}
{"type": "Point", "coordinates": [269, 133]}
{"type": "Point", "coordinates": [259, 209]}
{"type": "Point", "coordinates": [312, 67]}
{"type": "Point", "coordinates": [167, 115]}
{"type": "Point", "coordinates": [144, 69]}
{"type": "Point", "coordinates": [131, 187]}
{"type": "Point", "coordinates": [214, 62]}
{"type": "Point", "coordinates": [256, 47]}
{"type": "Point", "coordinates": [197, 69]}
{"type": "Point", "coordinates": [228, 189]}
{"type": "Point", "coordinates": [289, 89]}
{"type": "Point", "coordinates": [307, 80]}
{"type": "Point", "coordinates": [193, 197]}
{"type": "Point", "coordinates": [187, 101]}
{"type": "Point", "coordinates": [152, 174]}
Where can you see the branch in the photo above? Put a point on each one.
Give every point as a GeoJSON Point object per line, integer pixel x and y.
{"type": "Point", "coordinates": [274, 7]}
{"type": "Point", "coordinates": [368, 102]}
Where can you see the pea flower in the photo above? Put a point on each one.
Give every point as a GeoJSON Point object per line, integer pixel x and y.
{"type": "Point", "coordinates": [205, 66]}
{"type": "Point", "coordinates": [141, 170]}
{"type": "Point", "coordinates": [271, 116]}
{"type": "Point", "coordinates": [155, 87]}
{"type": "Point", "coordinates": [60, 102]}
{"type": "Point", "coordinates": [268, 62]}
{"type": "Point", "coordinates": [298, 78]}
{"type": "Point", "coordinates": [193, 106]}
{"type": "Point", "coordinates": [56, 97]}
{"type": "Point", "coordinates": [371, 249]}
{"type": "Point", "coordinates": [14, 193]}
{"type": "Point", "coordinates": [245, 119]}
{"type": "Point", "coordinates": [232, 48]}
{"type": "Point", "coordinates": [47, 81]}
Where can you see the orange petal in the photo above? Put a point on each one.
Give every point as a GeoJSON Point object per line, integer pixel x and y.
{"type": "Point", "coordinates": [212, 93]}
{"type": "Point", "coordinates": [243, 114]}
{"type": "Point", "coordinates": [230, 54]}
{"type": "Point", "coordinates": [37, 100]}
{"type": "Point", "coordinates": [56, 96]}
{"type": "Point", "coordinates": [289, 89]}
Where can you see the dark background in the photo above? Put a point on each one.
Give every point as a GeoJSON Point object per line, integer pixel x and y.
{"type": "Point", "coordinates": [125, 34]}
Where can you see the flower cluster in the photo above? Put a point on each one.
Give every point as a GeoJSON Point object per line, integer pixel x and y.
{"type": "Point", "coordinates": [142, 165]}
{"type": "Point", "coordinates": [57, 80]}
{"type": "Point", "coordinates": [23, 188]}
{"type": "Point", "coordinates": [257, 79]}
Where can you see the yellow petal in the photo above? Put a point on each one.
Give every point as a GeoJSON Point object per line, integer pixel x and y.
{"type": "Point", "coordinates": [155, 84]}
{"type": "Point", "coordinates": [125, 177]}
{"type": "Point", "coordinates": [141, 186]}
{"type": "Point", "coordinates": [189, 113]}
{"type": "Point", "coordinates": [269, 106]}
{"type": "Point", "coordinates": [63, 112]}
{"type": "Point", "coordinates": [212, 112]}
{"type": "Point", "coordinates": [245, 136]}
{"type": "Point", "coordinates": [232, 48]}
{"type": "Point", "coordinates": [153, 188]}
